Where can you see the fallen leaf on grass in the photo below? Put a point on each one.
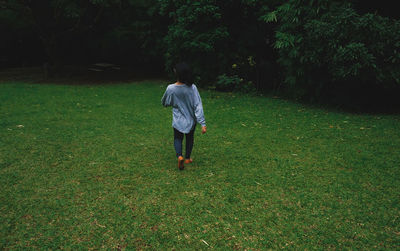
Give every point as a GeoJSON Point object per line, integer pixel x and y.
{"type": "Point", "coordinates": [205, 242]}
{"type": "Point", "coordinates": [95, 222]}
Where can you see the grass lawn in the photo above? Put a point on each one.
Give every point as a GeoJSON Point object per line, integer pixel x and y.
{"type": "Point", "coordinates": [91, 167]}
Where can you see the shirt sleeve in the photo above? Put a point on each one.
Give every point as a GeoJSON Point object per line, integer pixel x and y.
{"type": "Point", "coordinates": [199, 113]}
{"type": "Point", "coordinates": [167, 99]}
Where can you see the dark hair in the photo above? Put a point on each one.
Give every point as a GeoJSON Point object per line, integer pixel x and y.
{"type": "Point", "coordinates": [184, 73]}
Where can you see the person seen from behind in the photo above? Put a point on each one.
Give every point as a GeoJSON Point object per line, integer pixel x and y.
{"type": "Point", "coordinates": [187, 111]}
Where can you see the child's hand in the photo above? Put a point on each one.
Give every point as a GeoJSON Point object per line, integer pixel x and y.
{"type": "Point", "coordinates": [203, 129]}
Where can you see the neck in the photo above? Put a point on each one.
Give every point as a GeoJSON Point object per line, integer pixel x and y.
{"type": "Point", "coordinates": [179, 83]}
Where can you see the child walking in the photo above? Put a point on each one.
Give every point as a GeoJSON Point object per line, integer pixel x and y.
{"type": "Point", "coordinates": [187, 111]}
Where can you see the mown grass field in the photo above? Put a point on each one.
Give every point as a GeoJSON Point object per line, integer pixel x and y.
{"type": "Point", "coordinates": [92, 167]}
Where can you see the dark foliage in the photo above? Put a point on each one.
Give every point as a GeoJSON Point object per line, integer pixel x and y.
{"type": "Point", "coordinates": [325, 51]}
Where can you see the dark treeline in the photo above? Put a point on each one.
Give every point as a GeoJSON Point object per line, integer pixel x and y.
{"type": "Point", "coordinates": [315, 50]}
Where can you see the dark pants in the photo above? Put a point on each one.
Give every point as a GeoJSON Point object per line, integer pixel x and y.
{"type": "Point", "coordinates": [178, 138]}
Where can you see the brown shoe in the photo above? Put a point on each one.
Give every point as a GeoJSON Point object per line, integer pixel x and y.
{"type": "Point", "coordinates": [188, 161]}
{"type": "Point", "coordinates": [181, 160]}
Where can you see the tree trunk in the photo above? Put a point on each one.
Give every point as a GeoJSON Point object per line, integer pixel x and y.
{"type": "Point", "coordinates": [53, 63]}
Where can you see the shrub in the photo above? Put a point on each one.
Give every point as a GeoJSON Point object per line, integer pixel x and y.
{"type": "Point", "coordinates": [214, 35]}
{"type": "Point", "coordinates": [227, 83]}
{"type": "Point", "coordinates": [323, 45]}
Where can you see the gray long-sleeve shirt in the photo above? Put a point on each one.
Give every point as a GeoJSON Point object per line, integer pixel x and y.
{"type": "Point", "coordinates": [187, 108]}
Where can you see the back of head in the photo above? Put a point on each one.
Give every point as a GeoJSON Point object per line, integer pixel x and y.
{"type": "Point", "coordinates": [184, 73]}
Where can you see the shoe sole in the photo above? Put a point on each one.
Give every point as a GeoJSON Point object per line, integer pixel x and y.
{"type": "Point", "coordinates": [181, 164]}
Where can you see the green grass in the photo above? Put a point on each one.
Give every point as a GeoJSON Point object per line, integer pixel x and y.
{"type": "Point", "coordinates": [92, 167]}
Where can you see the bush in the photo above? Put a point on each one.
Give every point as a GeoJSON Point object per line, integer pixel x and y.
{"type": "Point", "coordinates": [195, 35]}
{"type": "Point", "coordinates": [227, 83]}
{"type": "Point", "coordinates": [214, 35]}
{"type": "Point", "coordinates": [325, 45]}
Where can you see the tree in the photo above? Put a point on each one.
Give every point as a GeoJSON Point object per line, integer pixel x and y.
{"type": "Point", "coordinates": [56, 20]}
{"type": "Point", "coordinates": [224, 40]}
{"type": "Point", "coordinates": [194, 35]}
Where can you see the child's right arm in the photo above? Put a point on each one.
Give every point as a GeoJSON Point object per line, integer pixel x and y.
{"type": "Point", "coordinates": [167, 98]}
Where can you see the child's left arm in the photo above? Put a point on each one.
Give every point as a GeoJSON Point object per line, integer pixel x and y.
{"type": "Point", "coordinates": [199, 113]}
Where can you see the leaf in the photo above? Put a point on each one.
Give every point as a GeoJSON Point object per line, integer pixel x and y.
{"type": "Point", "coordinates": [205, 242]}
{"type": "Point", "coordinates": [270, 17]}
